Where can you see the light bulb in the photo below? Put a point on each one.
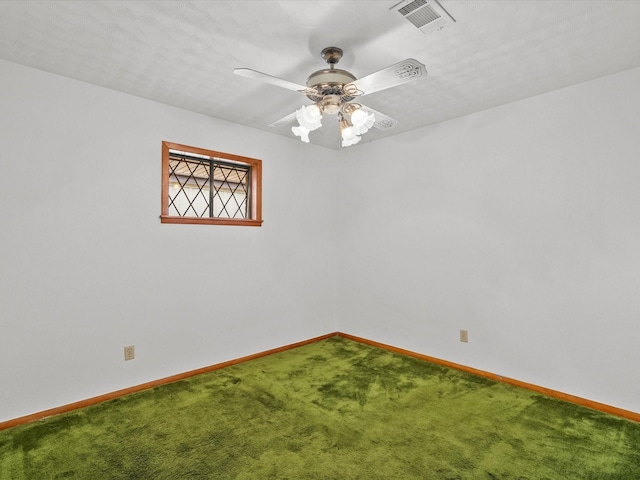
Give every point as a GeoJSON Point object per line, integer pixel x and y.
{"type": "Point", "coordinates": [348, 133]}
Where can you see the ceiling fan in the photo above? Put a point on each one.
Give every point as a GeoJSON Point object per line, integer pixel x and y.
{"type": "Point", "coordinates": [332, 90]}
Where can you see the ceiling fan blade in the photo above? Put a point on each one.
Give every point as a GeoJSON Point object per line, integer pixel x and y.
{"type": "Point", "coordinates": [278, 82]}
{"type": "Point", "coordinates": [284, 120]}
{"type": "Point", "coordinates": [392, 76]}
{"type": "Point", "coordinates": [382, 122]}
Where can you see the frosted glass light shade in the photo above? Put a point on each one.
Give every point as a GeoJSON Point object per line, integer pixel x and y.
{"type": "Point", "coordinates": [348, 133]}
{"type": "Point", "coordinates": [362, 121]}
{"type": "Point", "coordinates": [351, 141]}
{"type": "Point", "coordinates": [301, 132]}
{"type": "Point", "coordinates": [309, 117]}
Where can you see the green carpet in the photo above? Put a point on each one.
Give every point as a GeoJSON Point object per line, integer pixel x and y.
{"type": "Point", "coordinates": [334, 409]}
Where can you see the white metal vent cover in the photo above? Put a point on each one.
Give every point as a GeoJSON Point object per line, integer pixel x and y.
{"type": "Point", "coordinates": [426, 15]}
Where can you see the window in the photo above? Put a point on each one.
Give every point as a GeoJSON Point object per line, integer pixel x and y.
{"type": "Point", "coordinates": [203, 186]}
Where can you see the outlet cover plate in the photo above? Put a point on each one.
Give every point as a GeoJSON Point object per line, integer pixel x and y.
{"type": "Point", "coordinates": [464, 336]}
{"type": "Point", "coordinates": [129, 352]}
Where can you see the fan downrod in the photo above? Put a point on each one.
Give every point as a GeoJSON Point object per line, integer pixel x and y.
{"type": "Point", "coordinates": [331, 55]}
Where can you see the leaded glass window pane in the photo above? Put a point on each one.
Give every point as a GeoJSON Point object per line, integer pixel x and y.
{"type": "Point", "coordinates": [201, 186]}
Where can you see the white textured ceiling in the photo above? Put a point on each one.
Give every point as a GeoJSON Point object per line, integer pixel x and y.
{"type": "Point", "coordinates": [183, 53]}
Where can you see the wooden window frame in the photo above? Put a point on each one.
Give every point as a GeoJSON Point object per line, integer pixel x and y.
{"type": "Point", "coordinates": [255, 188]}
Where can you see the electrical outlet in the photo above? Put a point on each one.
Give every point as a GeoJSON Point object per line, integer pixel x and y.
{"type": "Point", "coordinates": [464, 336]}
{"type": "Point", "coordinates": [129, 352]}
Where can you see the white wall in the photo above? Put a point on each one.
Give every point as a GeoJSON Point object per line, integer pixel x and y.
{"type": "Point", "coordinates": [520, 224]}
{"type": "Point", "coordinates": [86, 267]}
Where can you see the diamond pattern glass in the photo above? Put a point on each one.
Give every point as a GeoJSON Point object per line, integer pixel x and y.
{"type": "Point", "coordinates": [202, 186]}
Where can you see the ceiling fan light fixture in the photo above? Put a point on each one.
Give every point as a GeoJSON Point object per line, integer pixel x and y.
{"type": "Point", "coordinates": [301, 132]}
{"type": "Point", "coordinates": [309, 117]}
{"type": "Point", "coordinates": [362, 121]}
{"type": "Point", "coordinates": [352, 141]}
{"type": "Point", "coordinates": [348, 133]}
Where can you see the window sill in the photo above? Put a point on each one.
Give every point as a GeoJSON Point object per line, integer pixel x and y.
{"type": "Point", "coordinates": [211, 221]}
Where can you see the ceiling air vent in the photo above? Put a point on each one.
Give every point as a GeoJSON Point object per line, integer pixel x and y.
{"type": "Point", "coordinates": [426, 15]}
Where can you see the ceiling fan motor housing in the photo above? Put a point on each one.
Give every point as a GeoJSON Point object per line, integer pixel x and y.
{"type": "Point", "coordinates": [329, 82]}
